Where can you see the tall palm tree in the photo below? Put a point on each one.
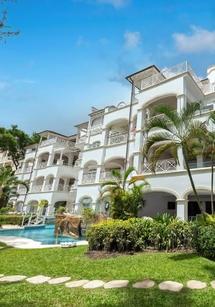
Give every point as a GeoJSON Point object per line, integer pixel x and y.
{"type": "Point", "coordinates": [210, 149]}
{"type": "Point", "coordinates": [177, 131]}
{"type": "Point", "coordinates": [8, 185]}
{"type": "Point", "coordinates": [123, 193]}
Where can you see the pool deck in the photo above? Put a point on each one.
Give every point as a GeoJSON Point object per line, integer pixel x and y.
{"type": "Point", "coordinates": [24, 243]}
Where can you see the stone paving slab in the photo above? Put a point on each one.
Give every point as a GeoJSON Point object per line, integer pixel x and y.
{"type": "Point", "coordinates": [12, 278]}
{"type": "Point", "coordinates": [76, 283]}
{"type": "Point", "coordinates": [37, 280]}
{"type": "Point", "coordinates": [213, 284]}
{"type": "Point", "coordinates": [170, 286]}
{"type": "Point", "coordinates": [145, 284]}
{"type": "Point", "coordinates": [196, 284]}
{"type": "Point", "coordinates": [58, 280]}
{"type": "Point", "coordinates": [93, 284]}
{"type": "Point", "coordinates": [116, 284]}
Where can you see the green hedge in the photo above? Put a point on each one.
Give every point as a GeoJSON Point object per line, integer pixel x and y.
{"type": "Point", "coordinates": [139, 234]}
{"type": "Point", "coordinates": [10, 219]}
{"type": "Point", "coordinates": [204, 240]}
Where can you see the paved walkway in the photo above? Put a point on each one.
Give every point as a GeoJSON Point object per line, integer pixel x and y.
{"type": "Point", "coordinates": [167, 285]}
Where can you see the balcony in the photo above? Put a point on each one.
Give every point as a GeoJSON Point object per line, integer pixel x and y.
{"type": "Point", "coordinates": [36, 188]}
{"type": "Point", "coordinates": [96, 130]}
{"type": "Point", "coordinates": [169, 73]}
{"type": "Point", "coordinates": [89, 178]}
{"type": "Point", "coordinates": [42, 165]}
{"type": "Point", "coordinates": [57, 141]}
{"type": "Point", "coordinates": [117, 138]}
{"type": "Point", "coordinates": [48, 187]}
{"type": "Point", "coordinates": [106, 175]}
{"type": "Point", "coordinates": [161, 166]}
{"type": "Point", "coordinates": [202, 164]}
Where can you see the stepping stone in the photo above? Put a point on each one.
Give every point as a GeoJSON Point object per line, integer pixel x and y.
{"type": "Point", "coordinates": [12, 278]}
{"type": "Point", "coordinates": [37, 280]}
{"type": "Point", "coordinates": [116, 284]}
{"type": "Point", "coordinates": [76, 283]}
{"type": "Point", "coordinates": [58, 280]}
{"type": "Point", "coordinates": [145, 284]}
{"type": "Point", "coordinates": [196, 284]}
{"type": "Point", "coordinates": [213, 284]}
{"type": "Point", "coordinates": [94, 284]}
{"type": "Point", "coordinates": [170, 286]}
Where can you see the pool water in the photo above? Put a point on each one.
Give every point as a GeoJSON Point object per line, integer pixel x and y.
{"type": "Point", "coordinates": [43, 234]}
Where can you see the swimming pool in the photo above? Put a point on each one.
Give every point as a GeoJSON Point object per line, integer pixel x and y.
{"type": "Point", "coordinates": [43, 234]}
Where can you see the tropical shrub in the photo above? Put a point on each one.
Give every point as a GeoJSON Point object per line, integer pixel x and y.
{"type": "Point", "coordinates": [10, 219]}
{"type": "Point", "coordinates": [204, 240]}
{"type": "Point", "coordinates": [137, 234]}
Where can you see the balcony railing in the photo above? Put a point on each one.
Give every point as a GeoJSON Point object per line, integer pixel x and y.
{"type": "Point", "coordinates": [36, 188]}
{"type": "Point", "coordinates": [202, 164]}
{"type": "Point", "coordinates": [89, 178]}
{"type": "Point", "coordinates": [96, 130]}
{"type": "Point", "coordinates": [161, 166]}
{"type": "Point", "coordinates": [117, 138]}
{"type": "Point", "coordinates": [169, 73]}
{"type": "Point", "coordinates": [48, 187]}
{"type": "Point", "coordinates": [106, 175]}
{"type": "Point", "coordinates": [42, 164]}
{"type": "Point", "coordinates": [57, 141]}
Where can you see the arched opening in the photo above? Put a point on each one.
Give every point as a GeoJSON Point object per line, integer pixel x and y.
{"type": "Point", "coordinates": [205, 199]}
{"type": "Point", "coordinates": [150, 109]}
{"type": "Point", "coordinates": [32, 207]}
{"type": "Point", "coordinates": [38, 184]}
{"type": "Point", "coordinates": [117, 132]}
{"type": "Point", "coordinates": [86, 202]}
{"type": "Point", "coordinates": [158, 202]}
{"type": "Point", "coordinates": [61, 184]}
{"type": "Point", "coordinates": [109, 166]}
{"type": "Point", "coordinates": [60, 206]}
{"type": "Point", "coordinates": [43, 160]}
{"type": "Point", "coordinates": [49, 183]}
{"type": "Point", "coordinates": [19, 206]}
{"type": "Point", "coordinates": [89, 173]}
{"type": "Point", "coordinates": [28, 165]}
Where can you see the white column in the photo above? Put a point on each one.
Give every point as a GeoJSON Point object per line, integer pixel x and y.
{"type": "Point", "coordinates": [182, 209]}
{"type": "Point", "coordinates": [80, 176]}
{"type": "Point", "coordinates": [98, 172]}
{"type": "Point", "coordinates": [44, 184]}
{"type": "Point", "coordinates": [55, 184]}
{"type": "Point", "coordinates": [181, 102]}
{"type": "Point", "coordinates": [51, 158]}
{"type": "Point", "coordinates": [139, 140]}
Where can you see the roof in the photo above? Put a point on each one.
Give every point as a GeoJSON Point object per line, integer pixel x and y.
{"type": "Point", "coordinates": [52, 132]}
{"type": "Point", "coordinates": [142, 70]}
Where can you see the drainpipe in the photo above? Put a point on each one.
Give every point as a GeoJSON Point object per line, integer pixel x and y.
{"type": "Point", "coordinates": [129, 125]}
{"type": "Point", "coordinates": [32, 169]}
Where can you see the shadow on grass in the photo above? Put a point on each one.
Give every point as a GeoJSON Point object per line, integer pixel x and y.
{"type": "Point", "coordinates": [4, 247]}
{"type": "Point", "coordinates": [184, 256]}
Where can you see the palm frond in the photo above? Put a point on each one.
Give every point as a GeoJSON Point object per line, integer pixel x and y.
{"type": "Point", "coordinates": [170, 115]}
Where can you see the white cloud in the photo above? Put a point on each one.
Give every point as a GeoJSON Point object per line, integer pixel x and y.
{"type": "Point", "coordinates": [115, 3]}
{"type": "Point", "coordinates": [198, 41]}
{"type": "Point", "coordinates": [132, 39]}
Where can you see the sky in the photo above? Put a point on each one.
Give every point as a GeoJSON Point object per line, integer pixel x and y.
{"type": "Point", "coordinates": [71, 55]}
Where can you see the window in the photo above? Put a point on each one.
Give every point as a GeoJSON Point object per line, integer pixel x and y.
{"type": "Point", "coordinates": [171, 205]}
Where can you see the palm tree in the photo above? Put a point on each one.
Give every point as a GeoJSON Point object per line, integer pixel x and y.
{"type": "Point", "coordinates": [178, 131]}
{"type": "Point", "coordinates": [123, 194]}
{"type": "Point", "coordinates": [8, 185]}
{"type": "Point", "coordinates": [210, 149]}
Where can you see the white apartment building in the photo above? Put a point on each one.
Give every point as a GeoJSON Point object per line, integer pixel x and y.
{"type": "Point", "coordinates": [71, 169]}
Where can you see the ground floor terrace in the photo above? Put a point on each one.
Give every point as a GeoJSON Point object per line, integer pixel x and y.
{"type": "Point", "coordinates": [168, 192]}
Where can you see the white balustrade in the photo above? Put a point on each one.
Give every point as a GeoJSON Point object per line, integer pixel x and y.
{"type": "Point", "coordinates": [161, 166]}
{"type": "Point", "coordinates": [89, 177]}
{"type": "Point", "coordinates": [117, 138]}
{"type": "Point", "coordinates": [42, 164]}
{"type": "Point", "coordinates": [36, 188]}
{"type": "Point", "coordinates": [57, 141]}
{"type": "Point", "coordinates": [48, 187]}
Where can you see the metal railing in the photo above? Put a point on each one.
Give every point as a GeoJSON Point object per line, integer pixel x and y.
{"type": "Point", "coordinates": [161, 166]}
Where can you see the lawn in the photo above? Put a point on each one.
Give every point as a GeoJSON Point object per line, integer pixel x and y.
{"type": "Point", "coordinates": [73, 262]}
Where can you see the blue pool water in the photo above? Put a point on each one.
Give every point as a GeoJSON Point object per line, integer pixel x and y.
{"type": "Point", "coordinates": [43, 234]}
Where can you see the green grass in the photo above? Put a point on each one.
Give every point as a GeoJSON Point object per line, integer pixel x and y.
{"type": "Point", "coordinates": [74, 263]}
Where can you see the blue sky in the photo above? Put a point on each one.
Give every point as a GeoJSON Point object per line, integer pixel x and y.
{"type": "Point", "coordinates": [74, 54]}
